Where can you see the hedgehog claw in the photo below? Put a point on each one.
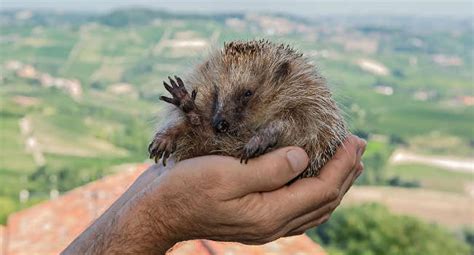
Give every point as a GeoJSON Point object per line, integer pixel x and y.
{"type": "Point", "coordinates": [257, 146]}
{"type": "Point", "coordinates": [161, 148]}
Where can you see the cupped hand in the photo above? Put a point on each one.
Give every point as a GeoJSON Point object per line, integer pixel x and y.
{"type": "Point", "coordinates": [218, 198]}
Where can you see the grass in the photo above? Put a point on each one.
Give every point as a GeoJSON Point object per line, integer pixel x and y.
{"type": "Point", "coordinates": [405, 117]}
{"type": "Point", "coordinates": [13, 156]}
{"type": "Point", "coordinates": [432, 177]}
{"type": "Point", "coordinates": [114, 130]}
{"type": "Point", "coordinates": [73, 148]}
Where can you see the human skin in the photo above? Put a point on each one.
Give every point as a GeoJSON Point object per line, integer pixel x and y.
{"type": "Point", "coordinates": [218, 198]}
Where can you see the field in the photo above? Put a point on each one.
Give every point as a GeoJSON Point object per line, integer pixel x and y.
{"type": "Point", "coordinates": [444, 208]}
{"type": "Point", "coordinates": [434, 178]}
{"type": "Point", "coordinates": [422, 102]}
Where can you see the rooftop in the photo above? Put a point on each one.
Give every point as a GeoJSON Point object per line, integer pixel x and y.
{"type": "Point", "coordinates": [49, 227]}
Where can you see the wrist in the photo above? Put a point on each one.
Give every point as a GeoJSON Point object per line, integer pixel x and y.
{"type": "Point", "coordinates": [149, 219]}
{"type": "Point", "coordinates": [165, 214]}
{"type": "Point", "coordinates": [135, 229]}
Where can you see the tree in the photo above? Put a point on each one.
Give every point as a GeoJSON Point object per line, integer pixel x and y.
{"type": "Point", "coordinates": [371, 229]}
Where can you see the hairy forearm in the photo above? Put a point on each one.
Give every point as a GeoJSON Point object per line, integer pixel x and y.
{"type": "Point", "coordinates": [103, 232]}
{"type": "Point", "coordinates": [134, 229]}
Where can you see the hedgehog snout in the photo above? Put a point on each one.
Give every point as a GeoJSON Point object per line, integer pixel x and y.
{"type": "Point", "coordinates": [220, 125]}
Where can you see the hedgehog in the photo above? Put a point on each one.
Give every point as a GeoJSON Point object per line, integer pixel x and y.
{"type": "Point", "coordinates": [247, 99]}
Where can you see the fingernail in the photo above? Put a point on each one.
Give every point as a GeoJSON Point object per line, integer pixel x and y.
{"type": "Point", "coordinates": [298, 160]}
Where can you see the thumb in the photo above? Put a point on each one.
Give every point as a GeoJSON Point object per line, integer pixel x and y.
{"type": "Point", "coordinates": [269, 171]}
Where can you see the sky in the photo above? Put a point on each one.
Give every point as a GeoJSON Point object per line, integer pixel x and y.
{"type": "Point", "coordinates": [306, 8]}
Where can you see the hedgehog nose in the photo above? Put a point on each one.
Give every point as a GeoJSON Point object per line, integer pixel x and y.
{"type": "Point", "coordinates": [221, 125]}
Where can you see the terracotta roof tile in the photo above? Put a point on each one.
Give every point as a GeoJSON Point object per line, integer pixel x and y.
{"type": "Point", "coordinates": [296, 245]}
{"type": "Point", "coordinates": [49, 227]}
{"type": "Point", "coordinates": [3, 237]}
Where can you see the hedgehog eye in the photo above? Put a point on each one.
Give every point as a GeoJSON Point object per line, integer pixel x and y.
{"type": "Point", "coordinates": [248, 93]}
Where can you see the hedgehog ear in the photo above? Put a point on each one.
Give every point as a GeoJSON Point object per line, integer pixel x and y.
{"type": "Point", "coordinates": [282, 71]}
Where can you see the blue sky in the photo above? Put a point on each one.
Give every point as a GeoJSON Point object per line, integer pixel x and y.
{"type": "Point", "coordinates": [299, 7]}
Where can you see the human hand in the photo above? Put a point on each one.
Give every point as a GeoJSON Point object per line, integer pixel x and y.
{"type": "Point", "coordinates": [217, 198]}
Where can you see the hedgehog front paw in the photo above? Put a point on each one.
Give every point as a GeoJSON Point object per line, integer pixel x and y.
{"type": "Point", "coordinates": [181, 97]}
{"type": "Point", "coordinates": [257, 146]}
{"type": "Point", "coordinates": [161, 147]}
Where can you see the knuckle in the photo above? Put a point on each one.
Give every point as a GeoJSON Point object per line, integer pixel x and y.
{"type": "Point", "coordinates": [350, 151]}
{"type": "Point", "coordinates": [352, 157]}
{"type": "Point", "coordinates": [332, 194]}
{"type": "Point", "coordinates": [273, 181]}
{"type": "Point", "coordinates": [274, 163]}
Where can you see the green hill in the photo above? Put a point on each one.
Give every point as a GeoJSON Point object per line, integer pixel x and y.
{"type": "Point", "coordinates": [429, 74]}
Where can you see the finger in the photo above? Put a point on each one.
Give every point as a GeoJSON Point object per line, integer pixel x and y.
{"type": "Point", "coordinates": [167, 87]}
{"type": "Point", "coordinates": [352, 176]}
{"type": "Point", "coordinates": [348, 182]}
{"type": "Point", "coordinates": [180, 82]}
{"type": "Point", "coordinates": [173, 83]}
{"type": "Point", "coordinates": [168, 100]}
{"type": "Point", "coordinates": [272, 170]}
{"type": "Point", "coordinates": [309, 193]}
{"type": "Point", "coordinates": [360, 170]}
{"type": "Point", "coordinates": [343, 162]}
{"type": "Point", "coordinates": [311, 224]}
{"type": "Point", "coordinates": [265, 173]}
{"type": "Point", "coordinates": [303, 196]}
{"type": "Point", "coordinates": [312, 216]}
{"type": "Point", "coordinates": [319, 209]}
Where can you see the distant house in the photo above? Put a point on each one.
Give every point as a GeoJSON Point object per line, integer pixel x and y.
{"type": "Point", "coordinates": [272, 25]}
{"type": "Point", "coordinates": [368, 46]}
{"type": "Point", "coordinates": [46, 80]}
{"type": "Point", "coordinates": [424, 95]}
{"type": "Point", "coordinates": [374, 67]}
{"type": "Point", "coordinates": [71, 86]}
{"type": "Point", "coordinates": [125, 89]}
{"type": "Point", "coordinates": [27, 71]}
{"type": "Point", "coordinates": [49, 227]}
{"type": "Point", "coordinates": [74, 88]}
{"type": "Point", "coordinates": [235, 23]}
{"type": "Point", "coordinates": [466, 100]}
{"type": "Point", "coordinates": [445, 60]}
{"type": "Point", "coordinates": [384, 90]}
{"type": "Point", "coordinates": [13, 65]}
{"type": "Point", "coordinates": [26, 101]}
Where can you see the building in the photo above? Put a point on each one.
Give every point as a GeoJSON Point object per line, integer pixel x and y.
{"type": "Point", "coordinates": [49, 227]}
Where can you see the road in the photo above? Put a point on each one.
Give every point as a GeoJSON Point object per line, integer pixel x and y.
{"type": "Point", "coordinates": [447, 163]}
